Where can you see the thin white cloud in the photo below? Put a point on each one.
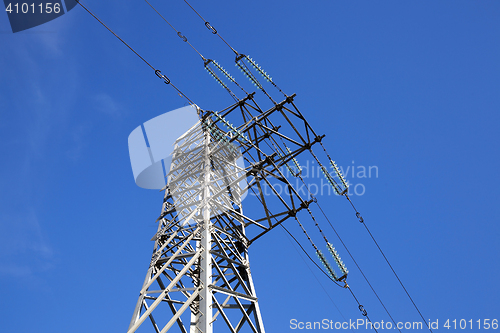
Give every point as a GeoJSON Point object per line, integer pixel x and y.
{"type": "Point", "coordinates": [79, 136]}
{"type": "Point", "coordinates": [24, 250]}
{"type": "Point", "coordinates": [32, 109]}
{"type": "Point", "coordinates": [107, 105]}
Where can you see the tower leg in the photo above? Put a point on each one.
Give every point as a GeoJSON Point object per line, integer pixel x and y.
{"type": "Point", "coordinates": [205, 315]}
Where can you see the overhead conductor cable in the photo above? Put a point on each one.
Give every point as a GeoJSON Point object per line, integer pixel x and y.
{"type": "Point", "coordinates": [158, 73]}
{"type": "Point", "coordinates": [206, 62]}
{"type": "Point", "coordinates": [252, 78]}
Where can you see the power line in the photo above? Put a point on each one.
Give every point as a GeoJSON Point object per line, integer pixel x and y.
{"type": "Point", "coordinates": [184, 38]}
{"type": "Point", "coordinates": [358, 215]}
{"type": "Point", "coordinates": [298, 174]}
{"type": "Point", "coordinates": [345, 246]}
{"type": "Point", "coordinates": [360, 307]}
{"type": "Point", "coordinates": [212, 29]}
{"type": "Point", "coordinates": [239, 57]}
{"type": "Point", "coordinates": [334, 183]}
{"type": "Point", "coordinates": [312, 272]}
{"type": "Point", "coordinates": [168, 81]}
{"type": "Point", "coordinates": [206, 62]}
{"type": "Point", "coordinates": [362, 221]}
{"type": "Point", "coordinates": [158, 73]}
{"type": "Point", "coordinates": [359, 268]}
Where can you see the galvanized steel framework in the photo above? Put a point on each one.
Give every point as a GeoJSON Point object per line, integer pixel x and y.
{"type": "Point", "coordinates": [200, 260]}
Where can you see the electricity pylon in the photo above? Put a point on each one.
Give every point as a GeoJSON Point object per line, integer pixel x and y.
{"type": "Point", "coordinates": [201, 246]}
{"type": "Point", "coordinates": [200, 260]}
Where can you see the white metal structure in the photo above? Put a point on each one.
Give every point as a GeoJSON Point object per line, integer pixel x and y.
{"type": "Point", "coordinates": [199, 276]}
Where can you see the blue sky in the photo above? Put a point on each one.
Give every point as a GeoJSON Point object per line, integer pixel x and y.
{"type": "Point", "coordinates": [409, 87]}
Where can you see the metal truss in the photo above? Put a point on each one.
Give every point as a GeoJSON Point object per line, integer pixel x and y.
{"type": "Point", "coordinates": [200, 260]}
{"type": "Point", "coordinates": [270, 153]}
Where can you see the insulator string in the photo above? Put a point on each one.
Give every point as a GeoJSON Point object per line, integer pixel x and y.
{"type": "Point", "coordinates": [244, 67]}
{"type": "Point", "coordinates": [360, 307]}
{"type": "Point", "coordinates": [349, 252]}
{"type": "Point", "coordinates": [240, 56]}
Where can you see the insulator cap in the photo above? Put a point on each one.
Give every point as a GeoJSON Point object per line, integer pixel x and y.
{"type": "Point", "coordinates": [337, 259]}
{"type": "Point", "coordinates": [327, 265]}
{"type": "Point", "coordinates": [339, 174]}
{"type": "Point", "coordinates": [330, 180]}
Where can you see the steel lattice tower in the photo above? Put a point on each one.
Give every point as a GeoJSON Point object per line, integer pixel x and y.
{"type": "Point", "coordinates": [200, 260]}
